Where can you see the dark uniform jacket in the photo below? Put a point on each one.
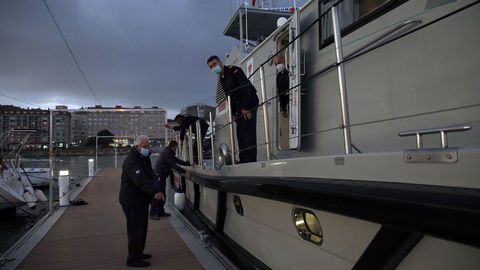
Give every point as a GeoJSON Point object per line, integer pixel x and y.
{"type": "Point", "coordinates": [188, 121]}
{"type": "Point", "coordinates": [241, 91]}
{"type": "Point", "coordinates": [168, 161]}
{"type": "Point", "coordinates": [138, 184]}
{"type": "Point", "coordinates": [283, 84]}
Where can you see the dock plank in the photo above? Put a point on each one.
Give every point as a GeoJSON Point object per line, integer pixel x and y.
{"type": "Point", "coordinates": [94, 236]}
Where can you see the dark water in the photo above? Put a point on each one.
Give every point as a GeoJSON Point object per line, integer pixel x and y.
{"type": "Point", "coordinates": [13, 227]}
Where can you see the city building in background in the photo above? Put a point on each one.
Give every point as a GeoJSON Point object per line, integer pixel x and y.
{"type": "Point", "coordinates": [123, 121]}
{"type": "Point", "coordinates": [62, 127]}
{"type": "Point", "coordinates": [170, 132]}
{"type": "Point", "coordinates": [74, 127]}
{"type": "Point", "coordinates": [17, 123]}
{"type": "Point", "coordinates": [78, 128]}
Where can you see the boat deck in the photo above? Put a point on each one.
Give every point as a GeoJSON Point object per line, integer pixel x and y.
{"type": "Point", "coordinates": [94, 236]}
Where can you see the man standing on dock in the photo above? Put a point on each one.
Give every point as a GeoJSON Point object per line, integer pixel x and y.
{"type": "Point", "coordinates": [163, 169]}
{"type": "Point", "coordinates": [243, 96]}
{"type": "Point", "coordinates": [138, 188]}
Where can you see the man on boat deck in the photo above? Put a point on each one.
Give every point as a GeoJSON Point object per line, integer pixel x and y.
{"type": "Point", "coordinates": [283, 83]}
{"type": "Point", "coordinates": [137, 189]}
{"type": "Point", "coordinates": [244, 106]}
{"type": "Point", "coordinates": [185, 121]}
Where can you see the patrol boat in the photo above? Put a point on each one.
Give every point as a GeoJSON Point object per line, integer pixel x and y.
{"type": "Point", "coordinates": [377, 165]}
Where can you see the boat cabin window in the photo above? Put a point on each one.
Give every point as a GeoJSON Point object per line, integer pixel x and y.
{"type": "Point", "coordinates": [352, 15]}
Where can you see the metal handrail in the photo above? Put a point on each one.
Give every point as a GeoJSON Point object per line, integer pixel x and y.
{"type": "Point", "coordinates": [212, 134]}
{"type": "Point", "coordinates": [442, 130]}
{"type": "Point", "coordinates": [190, 145]}
{"type": "Point", "coordinates": [180, 148]}
{"type": "Point", "coordinates": [265, 111]}
{"type": "Point", "coordinates": [342, 82]}
{"type": "Point", "coordinates": [230, 119]}
{"type": "Point", "coordinates": [198, 137]}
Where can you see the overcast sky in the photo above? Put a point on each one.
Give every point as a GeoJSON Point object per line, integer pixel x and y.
{"type": "Point", "coordinates": [133, 52]}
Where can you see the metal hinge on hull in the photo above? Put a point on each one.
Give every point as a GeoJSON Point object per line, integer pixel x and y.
{"type": "Point", "coordinates": [436, 155]}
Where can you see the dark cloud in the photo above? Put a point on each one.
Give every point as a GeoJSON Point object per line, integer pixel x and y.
{"type": "Point", "coordinates": [135, 52]}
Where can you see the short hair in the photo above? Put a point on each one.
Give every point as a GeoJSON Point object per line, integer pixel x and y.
{"type": "Point", "coordinates": [213, 57]}
{"type": "Point", "coordinates": [179, 116]}
{"type": "Point", "coordinates": [172, 143]}
{"type": "Point", "coordinates": [140, 139]}
{"type": "Point", "coordinates": [279, 57]}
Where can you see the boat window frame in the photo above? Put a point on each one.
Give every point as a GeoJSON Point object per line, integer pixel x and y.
{"type": "Point", "coordinates": [282, 36]}
{"type": "Point", "coordinates": [358, 23]}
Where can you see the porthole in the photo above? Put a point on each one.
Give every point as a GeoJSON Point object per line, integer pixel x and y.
{"type": "Point", "coordinates": [307, 225]}
{"type": "Point", "coordinates": [238, 204]}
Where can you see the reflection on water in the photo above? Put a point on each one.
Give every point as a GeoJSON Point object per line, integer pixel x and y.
{"type": "Point", "coordinates": [14, 227]}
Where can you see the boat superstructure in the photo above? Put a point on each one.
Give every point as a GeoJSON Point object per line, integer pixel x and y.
{"type": "Point", "coordinates": [376, 166]}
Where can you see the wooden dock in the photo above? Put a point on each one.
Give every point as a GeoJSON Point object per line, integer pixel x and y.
{"type": "Point", "coordinates": [94, 236]}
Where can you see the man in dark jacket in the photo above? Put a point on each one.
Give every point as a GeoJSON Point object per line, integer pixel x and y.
{"type": "Point", "coordinates": [244, 100]}
{"type": "Point", "coordinates": [186, 121]}
{"type": "Point", "coordinates": [283, 83]}
{"type": "Point", "coordinates": [163, 168]}
{"type": "Point", "coordinates": [137, 189]}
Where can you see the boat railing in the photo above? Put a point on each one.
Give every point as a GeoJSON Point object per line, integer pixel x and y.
{"type": "Point", "coordinates": [443, 131]}
{"type": "Point", "coordinates": [266, 125]}
{"type": "Point", "coordinates": [265, 100]}
{"type": "Point", "coordinates": [199, 138]}
{"type": "Point", "coordinates": [392, 32]}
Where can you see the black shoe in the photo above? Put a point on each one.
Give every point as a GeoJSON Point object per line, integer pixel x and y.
{"type": "Point", "coordinates": [164, 214]}
{"type": "Point", "coordinates": [138, 263]}
{"type": "Point", "coordinates": [145, 256]}
{"type": "Point", "coordinates": [154, 217]}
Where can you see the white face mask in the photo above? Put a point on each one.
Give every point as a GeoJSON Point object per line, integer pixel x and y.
{"type": "Point", "coordinates": [217, 69]}
{"type": "Point", "coordinates": [280, 67]}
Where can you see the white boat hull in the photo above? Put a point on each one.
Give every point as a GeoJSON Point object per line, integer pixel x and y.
{"type": "Point", "coordinates": [37, 176]}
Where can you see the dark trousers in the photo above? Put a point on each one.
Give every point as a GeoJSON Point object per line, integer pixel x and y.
{"type": "Point", "coordinates": [157, 206]}
{"type": "Point", "coordinates": [194, 146]}
{"type": "Point", "coordinates": [137, 225]}
{"type": "Point", "coordinates": [247, 138]}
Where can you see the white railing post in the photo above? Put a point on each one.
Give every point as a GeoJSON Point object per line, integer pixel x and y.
{"type": "Point", "coordinates": [230, 119]}
{"type": "Point", "coordinates": [212, 133]}
{"type": "Point", "coordinates": [50, 161]}
{"type": "Point", "coordinates": [190, 145]}
{"type": "Point", "coordinates": [341, 81]}
{"type": "Point", "coordinates": [265, 112]}
{"type": "Point", "coordinates": [198, 137]}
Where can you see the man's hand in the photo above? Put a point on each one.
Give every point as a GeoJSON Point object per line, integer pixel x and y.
{"type": "Point", "coordinates": [246, 114]}
{"type": "Point", "coordinates": [188, 174]}
{"type": "Point", "coordinates": [285, 114]}
{"type": "Point", "coordinates": [167, 126]}
{"type": "Point", "coordinates": [160, 196]}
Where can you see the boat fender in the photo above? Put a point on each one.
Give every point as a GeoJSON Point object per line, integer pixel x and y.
{"type": "Point", "coordinates": [281, 21]}
{"type": "Point", "coordinates": [29, 198]}
{"type": "Point", "coordinates": [179, 200]}
{"type": "Point", "coordinates": [40, 196]}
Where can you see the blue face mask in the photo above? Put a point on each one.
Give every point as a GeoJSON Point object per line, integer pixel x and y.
{"type": "Point", "coordinates": [144, 152]}
{"type": "Point", "coordinates": [217, 69]}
